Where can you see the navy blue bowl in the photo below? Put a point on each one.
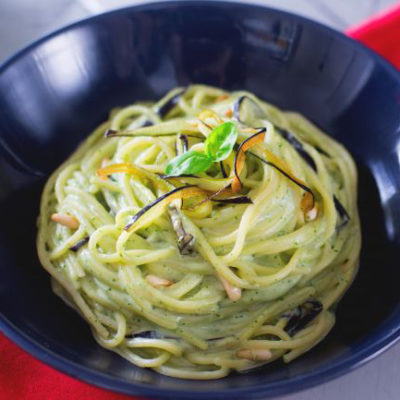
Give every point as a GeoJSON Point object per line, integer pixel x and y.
{"type": "Point", "coordinates": [53, 93]}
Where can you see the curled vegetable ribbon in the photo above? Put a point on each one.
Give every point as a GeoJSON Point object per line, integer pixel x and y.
{"type": "Point", "coordinates": [182, 192]}
{"type": "Point", "coordinates": [308, 200]}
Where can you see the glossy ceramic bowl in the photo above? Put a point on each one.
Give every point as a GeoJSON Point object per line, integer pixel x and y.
{"type": "Point", "coordinates": [53, 93]}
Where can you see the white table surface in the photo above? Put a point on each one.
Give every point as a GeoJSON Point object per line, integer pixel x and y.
{"type": "Point", "coordinates": [22, 21]}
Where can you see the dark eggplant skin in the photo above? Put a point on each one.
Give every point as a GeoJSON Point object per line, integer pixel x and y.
{"type": "Point", "coordinates": [223, 172]}
{"type": "Point", "coordinates": [343, 214]}
{"type": "Point", "coordinates": [288, 136]}
{"type": "Point", "coordinates": [110, 133]}
{"type": "Point", "coordinates": [305, 188]}
{"type": "Point", "coordinates": [236, 107]}
{"type": "Point", "coordinates": [166, 177]}
{"type": "Point", "coordinates": [163, 110]}
{"type": "Point", "coordinates": [144, 335]}
{"type": "Point", "coordinates": [300, 148]}
{"type": "Point", "coordinates": [283, 132]}
{"type": "Point", "coordinates": [147, 123]}
{"type": "Point", "coordinates": [185, 142]}
{"type": "Point", "coordinates": [149, 206]}
{"type": "Point", "coordinates": [113, 132]}
{"type": "Point", "coordinates": [234, 200]}
{"type": "Point", "coordinates": [297, 145]}
{"type": "Point", "coordinates": [148, 335]}
{"type": "Point", "coordinates": [302, 315]}
{"type": "Point", "coordinates": [79, 244]}
{"type": "Point", "coordinates": [239, 148]}
{"type": "Point", "coordinates": [186, 241]}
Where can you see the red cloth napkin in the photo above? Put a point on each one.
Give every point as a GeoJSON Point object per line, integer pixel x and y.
{"type": "Point", "coordinates": [382, 34]}
{"type": "Point", "coordinates": [24, 378]}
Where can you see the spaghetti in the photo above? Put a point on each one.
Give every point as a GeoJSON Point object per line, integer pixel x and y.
{"type": "Point", "coordinates": [233, 258]}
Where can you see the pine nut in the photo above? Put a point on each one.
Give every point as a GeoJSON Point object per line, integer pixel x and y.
{"type": "Point", "coordinates": [66, 220]}
{"type": "Point", "coordinates": [156, 281]}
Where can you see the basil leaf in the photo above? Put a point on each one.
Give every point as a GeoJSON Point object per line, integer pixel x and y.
{"type": "Point", "coordinates": [220, 141]}
{"type": "Point", "coordinates": [191, 162]}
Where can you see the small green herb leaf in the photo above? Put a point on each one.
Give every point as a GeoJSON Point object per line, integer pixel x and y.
{"type": "Point", "coordinates": [218, 146]}
{"type": "Point", "coordinates": [220, 141]}
{"type": "Point", "coordinates": [191, 162]}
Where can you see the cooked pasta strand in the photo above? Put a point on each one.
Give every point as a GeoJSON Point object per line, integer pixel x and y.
{"type": "Point", "coordinates": [211, 286]}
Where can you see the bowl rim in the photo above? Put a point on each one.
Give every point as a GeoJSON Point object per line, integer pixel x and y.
{"type": "Point", "coordinates": [384, 337]}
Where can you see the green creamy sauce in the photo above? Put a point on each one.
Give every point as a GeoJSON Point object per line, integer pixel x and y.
{"type": "Point", "coordinates": [212, 287]}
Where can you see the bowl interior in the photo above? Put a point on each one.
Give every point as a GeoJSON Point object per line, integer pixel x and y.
{"type": "Point", "coordinates": [55, 92]}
